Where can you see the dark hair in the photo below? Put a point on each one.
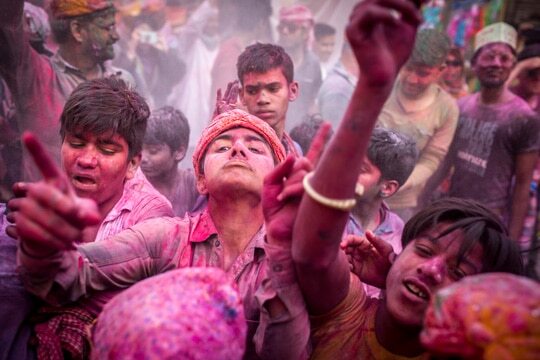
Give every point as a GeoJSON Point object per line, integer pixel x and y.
{"type": "Point", "coordinates": [478, 224]}
{"type": "Point", "coordinates": [393, 153]}
{"type": "Point", "coordinates": [260, 58]}
{"type": "Point", "coordinates": [61, 27]}
{"type": "Point", "coordinates": [321, 30]}
{"type": "Point", "coordinates": [430, 48]}
{"type": "Point", "coordinates": [106, 105]}
{"type": "Point", "coordinates": [304, 132]}
{"type": "Point", "coordinates": [169, 126]}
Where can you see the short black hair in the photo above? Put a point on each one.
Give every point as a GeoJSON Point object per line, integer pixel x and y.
{"type": "Point", "coordinates": [260, 58]}
{"type": "Point", "coordinates": [393, 153]}
{"type": "Point", "coordinates": [478, 224]}
{"type": "Point", "coordinates": [106, 105]}
{"type": "Point", "coordinates": [321, 30]}
{"type": "Point", "coordinates": [304, 132]}
{"type": "Point", "coordinates": [169, 126]}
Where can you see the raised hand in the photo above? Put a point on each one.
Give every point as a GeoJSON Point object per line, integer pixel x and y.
{"type": "Point", "coordinates": [229, 100]}
{"type": "Point", "coordinates": [382, 34]}
{"type": "Point", "coordinates": [370, 257]}
{"type": "Point", "coordinates": [49, 217]}
{"type": "Point", "coordinates": [283, 189]}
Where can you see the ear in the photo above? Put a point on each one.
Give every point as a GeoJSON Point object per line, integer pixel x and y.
{"type": "Point", "coordinates": [133, 165]}
{"type": "Point", "coordinates": [77, 30]}
{"type": "Point", "coordinates": [388, 188]}
{"type": "Point", "coordinates": [293, 90]}
{"type": "Point", "coordinates": [180, 154]}
{"type": "Point", "coordinates": [201, 185]}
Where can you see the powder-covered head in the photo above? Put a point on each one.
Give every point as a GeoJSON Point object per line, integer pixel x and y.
{"type": "Point", "coordinates": [430, 48]}
{"type": "Point", "coordinates": [487, 316]}
{"type": "Point", "coordinates": [231, 120]}
{"type": "Point", "coordinates": [191, 313]}
{"type": "Point", "coordinates": [297, 14]}
{"type": "Point", "coordinates": [71, 8]}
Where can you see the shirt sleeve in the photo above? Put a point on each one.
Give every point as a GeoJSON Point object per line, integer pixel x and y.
{"type": "Point", "coordinates": [146, 249]}
{"type": "Point", "coordinates": [285, 336]}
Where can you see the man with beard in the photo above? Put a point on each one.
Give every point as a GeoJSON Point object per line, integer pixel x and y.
{"type": "Point", "coordinates": [497, 140]}
{"type": "Point", "coordinates": [85, 33]}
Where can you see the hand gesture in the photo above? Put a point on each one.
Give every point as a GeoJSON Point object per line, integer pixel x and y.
{"type": "Point", "coordinates": [370, 257]}
{"type": "Point", "coordinates": [283, 189]}
{"type": "Point", "coordinates": [49, 217]}
{"type": "Point", "coordinates": [382, 34]}
{"type": "Point", "coordinates": [229, 100]}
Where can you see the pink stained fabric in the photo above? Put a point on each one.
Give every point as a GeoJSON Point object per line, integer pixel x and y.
{"type": "Point", "coordinates": [234, 119]}
{"type": "Point", "coordinates": [193, 313]}
{"type": "Point", "coordinates": [139, 201]}
{"type": "Point", "coordinates": [147, 249]}
{"type": "Point", "coordinates": [488, 316]}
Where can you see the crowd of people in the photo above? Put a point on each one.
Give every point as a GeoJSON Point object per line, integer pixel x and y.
{"type": "Point", "coordinates": [340, 202]}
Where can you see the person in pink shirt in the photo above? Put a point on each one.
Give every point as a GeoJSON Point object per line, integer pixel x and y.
{"type": "Point", "coordinates": [102, 129]}
{"type": "Point", "coordinates": [234, 154]}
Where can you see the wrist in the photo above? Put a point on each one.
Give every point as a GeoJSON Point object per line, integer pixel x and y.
{"type": "Point", "coordinates": [36, 254]}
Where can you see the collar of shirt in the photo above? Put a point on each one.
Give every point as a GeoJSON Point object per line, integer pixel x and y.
{"type": "Point", "coordinates": [384, 228]}
{"type": "Point", "coordinates": [340, 70]}
{"type": "Point", "coordinates": [203, 229]}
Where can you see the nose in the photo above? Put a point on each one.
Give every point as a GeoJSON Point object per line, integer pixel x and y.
{"type": "Point", "coordinates": [239, 150]}
{"type": "Point", "coordinates": [263, 98]}
{"type": "Point", "coordinates": [433, 270]}
{"type": "Point", "coordinates": [87, 158]}
{"type": "Point", "coordinates": [114, 34]}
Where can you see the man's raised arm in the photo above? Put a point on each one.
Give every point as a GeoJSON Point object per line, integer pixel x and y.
{"type": "Point", "coordinates": [381, 33]}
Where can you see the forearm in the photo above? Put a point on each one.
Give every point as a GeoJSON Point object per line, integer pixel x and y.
{"type": "Point", "coordinates": [335, 177]}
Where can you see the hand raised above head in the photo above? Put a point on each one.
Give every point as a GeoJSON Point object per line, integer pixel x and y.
{"type": "Point", "coordinates": [382, 34]}
{"type": "Point", "coordinates": [229, 100]}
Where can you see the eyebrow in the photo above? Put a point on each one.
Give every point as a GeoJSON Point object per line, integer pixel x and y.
{"type": "Point", "coordinates": [260, 84]}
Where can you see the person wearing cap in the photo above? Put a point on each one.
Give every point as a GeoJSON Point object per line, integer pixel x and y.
{"type": "Point", "coordinates": [85, 33]}
{"type": "Point", "coordinates": [420, 108]}
{"type": "Point", "coordinates": [235, 152]}
{"type": "Point", "coordinates": [497, 140]}
{"type": "Point", "coordinates": [295, 31]}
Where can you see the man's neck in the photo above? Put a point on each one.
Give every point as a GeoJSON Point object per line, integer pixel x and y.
{"type": "Point", "coordinates": [88, 67]}
{"type": "Point", "coordinates": [368, 214]}
{"type": "Point", "coordinates": [395, 337]}
{"type": "Point", "coordinates": [494, 95]}
{"type": "Point", "coordinates": [279, 128]}
{"type": "Point", "coordinates": [237, 219]}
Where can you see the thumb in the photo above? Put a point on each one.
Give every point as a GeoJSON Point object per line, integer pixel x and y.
{"type": "Point", "coordinates": [378, 243]}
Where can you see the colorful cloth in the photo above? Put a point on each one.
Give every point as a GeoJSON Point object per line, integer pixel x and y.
{"type": "Point", "coordinates": [147, 249]}
{"type": "Point", "coordinates": [488, 316]}
{"type": "Point", "coordinates": [193, 313]}
{"type": "Point", "coordinates": [69, 8]}
{"type": "Point", "coordinates": [234, 119]}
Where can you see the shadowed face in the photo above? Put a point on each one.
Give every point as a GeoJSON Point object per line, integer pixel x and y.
{"type": "Point", "coordinates": [427, 264]}
{"type": "Point", "coordinates": [493, 64]}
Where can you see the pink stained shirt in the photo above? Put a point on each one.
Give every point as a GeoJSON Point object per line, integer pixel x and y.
{"type": "Point", "coordinates": [148, 248]}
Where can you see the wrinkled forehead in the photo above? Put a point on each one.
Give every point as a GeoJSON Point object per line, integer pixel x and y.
{"type": "Point", "coordinates": [241, 133]}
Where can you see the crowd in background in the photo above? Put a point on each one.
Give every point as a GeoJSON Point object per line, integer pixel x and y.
{"type": "Point", "coordinates": [173, 78]}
